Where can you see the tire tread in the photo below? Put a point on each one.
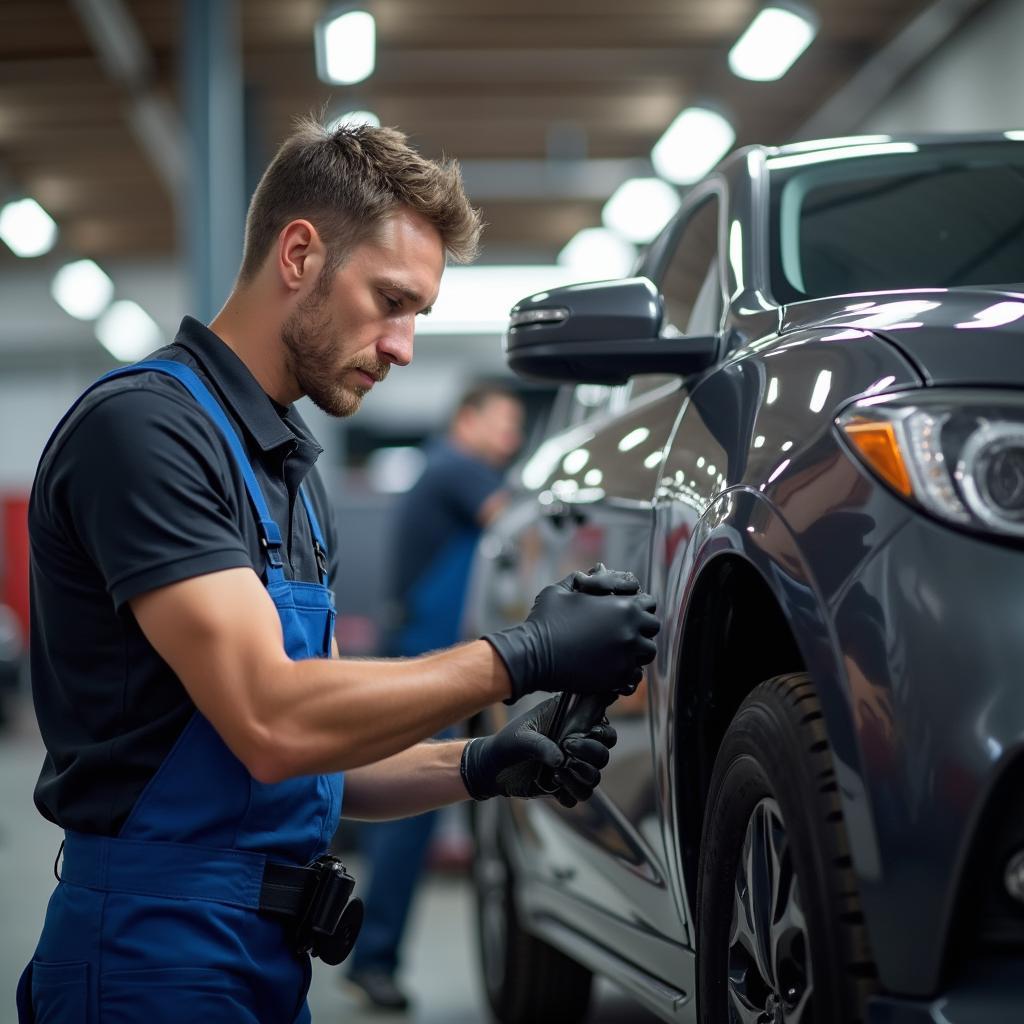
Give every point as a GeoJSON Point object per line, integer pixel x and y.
{"type": "Point", "coordinates": [794, 697]}
{"type": "Point", "coordinates": [795, 689]}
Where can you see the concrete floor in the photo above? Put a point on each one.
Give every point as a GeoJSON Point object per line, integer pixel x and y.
{"type": "Point", "coordinates": [441, 971]}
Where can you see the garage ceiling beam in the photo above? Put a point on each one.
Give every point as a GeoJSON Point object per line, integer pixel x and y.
{"type": "Point", "coordinates": [125, 57]}
{"type": "Point", "coordinates": [514, 180]}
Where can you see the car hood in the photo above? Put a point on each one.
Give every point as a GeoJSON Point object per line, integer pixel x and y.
{"type": "Point", "coordinates": [954, 335]}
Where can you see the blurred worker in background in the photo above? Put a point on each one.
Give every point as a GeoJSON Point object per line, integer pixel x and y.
{"type": "Point", "coordinates": [437, 526]}
{"type": "Point", "coordinates": [196, 714]}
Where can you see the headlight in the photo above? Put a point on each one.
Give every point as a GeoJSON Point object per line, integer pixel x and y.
{"type": "Point", "coordinates": [959, 454]}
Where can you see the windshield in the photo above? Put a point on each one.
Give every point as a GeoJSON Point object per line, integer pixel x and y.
{"type": "Point", "coordinates": [902, 218]}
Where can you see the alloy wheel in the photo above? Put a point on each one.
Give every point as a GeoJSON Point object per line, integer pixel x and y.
{"type": "Point", "coordinates": [770, 980]}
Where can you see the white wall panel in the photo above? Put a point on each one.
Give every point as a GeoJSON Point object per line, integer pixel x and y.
{"type": "Point", "coordinates": [31, 404]}
{"type": "Point", "coordinates": [975, 82]}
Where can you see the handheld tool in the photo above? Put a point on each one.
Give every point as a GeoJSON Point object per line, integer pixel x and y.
{"type": "Point", "coordinates": [576, 713]}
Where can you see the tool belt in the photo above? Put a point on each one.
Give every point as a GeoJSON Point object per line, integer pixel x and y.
{"type": "Point", "coordinates": [314, 902]}
{"type": "Point", "coordinates": [323, 918]}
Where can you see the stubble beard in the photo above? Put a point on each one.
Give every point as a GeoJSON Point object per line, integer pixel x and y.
{"type": "Point", "coordinates": [311, 346]}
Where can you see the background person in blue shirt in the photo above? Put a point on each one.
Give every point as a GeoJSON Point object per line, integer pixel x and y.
{"type": "Point", "coordinates": [438, 524]}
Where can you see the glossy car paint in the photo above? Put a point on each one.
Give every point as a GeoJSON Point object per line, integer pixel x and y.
{"type": "Point", "coordinates": [909, 627]}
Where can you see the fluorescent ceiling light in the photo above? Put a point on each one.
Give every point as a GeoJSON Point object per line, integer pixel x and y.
{"type": "Point", "coordinates": [476, 300]}
{"type": "Point", "coordinates": [597, 254]}
{"type": "Point", "coordinates": [354, 118]}
{"type": "Point", "coordinates": [127, 331]}
{"type": "Point", "coordinates": [27, 228]}
{"type": "Point", "coordinates": [692, 144]}
{"type": "Point", "coordinates": [772, 43]}
{"type": "Point", "coordinates": [82, 289]}
{"type": "Point", "coordinates": [346, 45]}
{"type": "Point", "coordinates": [640, 208]}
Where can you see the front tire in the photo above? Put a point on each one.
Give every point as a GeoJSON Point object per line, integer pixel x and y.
{"type": "Point", "coordinates": [526, 980]}
{"type": "Point", "coordinates": [781, 937]}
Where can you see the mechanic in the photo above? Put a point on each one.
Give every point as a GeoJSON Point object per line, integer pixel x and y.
{"type": "Point", "coordinates": [196, 724]}
{"type": "Point", "coordinates": [436, 528]}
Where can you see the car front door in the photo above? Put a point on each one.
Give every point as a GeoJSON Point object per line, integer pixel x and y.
{"type": "Point", "coordinates": [596, 503]}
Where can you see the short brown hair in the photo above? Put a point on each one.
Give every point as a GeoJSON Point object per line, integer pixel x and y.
{"type": "Point", "coordinates": [479, 394]}
{"type": "Point", "coordinates": [346, 182]}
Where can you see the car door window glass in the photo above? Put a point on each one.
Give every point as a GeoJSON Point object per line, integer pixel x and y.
{"type": "Point", "coordinates": [690, 284]}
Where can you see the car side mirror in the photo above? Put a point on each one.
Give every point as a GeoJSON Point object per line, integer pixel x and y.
{"type": "Point", "coordinates": [601, 333]}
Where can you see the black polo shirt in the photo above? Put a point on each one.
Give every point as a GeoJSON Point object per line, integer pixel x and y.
{"type": "Point", "coordinates": [139, 490]}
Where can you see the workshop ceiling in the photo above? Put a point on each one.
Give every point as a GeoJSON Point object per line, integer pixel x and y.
{"type": "Point", "coordinates": [501, 80]}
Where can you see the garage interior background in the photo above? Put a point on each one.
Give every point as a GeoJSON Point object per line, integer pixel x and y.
{"type": "Point", "coordinates": [140, 126]}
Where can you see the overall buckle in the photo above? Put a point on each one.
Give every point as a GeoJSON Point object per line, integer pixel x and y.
{"type": "Point", "coordinates": [321, 559]}
{"type": "Point", "coordinates": [271, 542]}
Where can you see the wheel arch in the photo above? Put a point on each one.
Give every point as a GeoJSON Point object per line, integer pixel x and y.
{"type": "Point", "coordinates": [729, 600]}
{"type": "Point", "coordinates": [749, 610]}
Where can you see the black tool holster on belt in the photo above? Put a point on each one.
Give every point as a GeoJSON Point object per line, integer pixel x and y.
{"type": "Point", "coordinates": [323, 920]}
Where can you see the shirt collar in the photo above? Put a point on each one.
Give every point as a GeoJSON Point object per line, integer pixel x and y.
{"type": "Point", "coordinates": [270, 424]}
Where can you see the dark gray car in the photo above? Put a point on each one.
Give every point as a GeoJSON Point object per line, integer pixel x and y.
{"type": "Point", "coordinates": [802, 426]}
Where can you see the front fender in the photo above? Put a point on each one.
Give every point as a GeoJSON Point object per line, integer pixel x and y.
{"type": "Point", "coordinates": [743, 523]}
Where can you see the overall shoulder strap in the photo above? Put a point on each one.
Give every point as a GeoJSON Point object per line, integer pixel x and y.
{"type": "Point", "coordinates": [270, 534]}
{"type": "Point", "coordinates": [319, 544]}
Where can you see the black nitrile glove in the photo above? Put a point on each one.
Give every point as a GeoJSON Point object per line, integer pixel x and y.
{"type": "Point", "coordinates": [508, 763]}
{"type": "Point", "coordinates": [602, 580]}
{"type": "Point", "coordinates": [581, 637]}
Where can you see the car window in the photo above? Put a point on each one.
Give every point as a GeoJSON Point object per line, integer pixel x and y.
{"type": "Point", "coordinates": [937, 217]}
{"type": "Point", "coordinates": [690, 284]}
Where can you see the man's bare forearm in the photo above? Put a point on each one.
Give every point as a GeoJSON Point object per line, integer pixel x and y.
{"type": "Point", "coordinates": [419, 779]}
{"type": "Point", "coordinates": [222, 636]}
{"type": "Point", "coordinates": [340, 714]}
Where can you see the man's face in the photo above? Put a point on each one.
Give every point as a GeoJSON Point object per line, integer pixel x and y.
{"type": "Point", "coordinates": [498, 427]}
{"type": "Point", "coordinates": [345, 336]}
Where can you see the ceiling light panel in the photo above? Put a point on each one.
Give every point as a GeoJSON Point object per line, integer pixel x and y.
{"type": "Point", "coordinates": [346, 47]}
{"type": "Point", "coordinates": [82, 289]}
{"type": "Point", "coordinates": [772, 43]}
{"type": "Point", "coordinates": [598, 254]}
{"type": "Point", "coordinates": [27, 228]}
{"type": "Point", "coordinates": [127, 331]}
{"type": "Point", "coordinates": [692, 144]}
{"type": "Point", "coordinates": [640, 208]}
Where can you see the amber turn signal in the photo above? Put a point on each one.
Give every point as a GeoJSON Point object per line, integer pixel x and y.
{"type": "Point", "coordinates": [877, 444]}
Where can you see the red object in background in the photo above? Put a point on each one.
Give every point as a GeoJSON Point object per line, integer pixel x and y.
{"type": "Point", "coordinates": [15, 558]}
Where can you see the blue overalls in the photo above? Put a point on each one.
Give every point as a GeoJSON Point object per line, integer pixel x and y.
{"type": "Point", "coordinates": [160, 924]}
